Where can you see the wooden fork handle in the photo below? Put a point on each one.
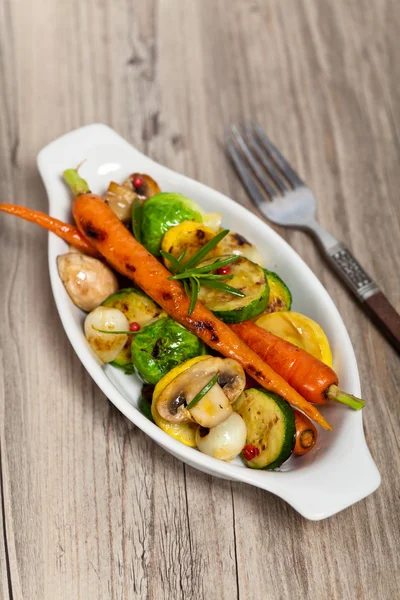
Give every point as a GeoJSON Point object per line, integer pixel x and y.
{"type": "Point", "coordinates": [387, 318]}
{"type": "Point", "coordinates": [366, 290]}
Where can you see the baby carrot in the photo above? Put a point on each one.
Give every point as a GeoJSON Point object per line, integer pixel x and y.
{"type": "Point", "coordinates": [100, 225]}
{"type": "Point", "coordinates": [67, 232]}
{"type": "Point", "coordinates": [314, 380]}
{"type": "Point", "coordinates": [306, 434]}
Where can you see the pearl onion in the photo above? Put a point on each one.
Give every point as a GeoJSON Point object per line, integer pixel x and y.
{"type": "Point", "coordinates": [225, 441]}
{"type": "Point", "coordinates": [105, 345]}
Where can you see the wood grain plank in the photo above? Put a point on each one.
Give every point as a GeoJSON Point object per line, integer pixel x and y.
{"type": "Point", "coordinates": [92, 508]}
{"type": "Point", "coordinates": [6, 584]}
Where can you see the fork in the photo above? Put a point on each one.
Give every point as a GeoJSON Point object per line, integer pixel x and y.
{"type": "Point", "coordinates": [283, 198]}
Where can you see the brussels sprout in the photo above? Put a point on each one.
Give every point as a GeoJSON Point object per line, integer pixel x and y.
{"type": "Point", "coordinates": [144, 402]}
{"type": "Point", "coordinates": [160, 347]}
{"type": "Point", "coordinates": [138, 308]}
{"type": "Point", "coordinates": [163, 211]}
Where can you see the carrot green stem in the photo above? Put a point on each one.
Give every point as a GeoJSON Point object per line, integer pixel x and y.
{"type": "Point", "coordinates": [75, 182]}
{"type": "Point", "coordinates": [333, 393]}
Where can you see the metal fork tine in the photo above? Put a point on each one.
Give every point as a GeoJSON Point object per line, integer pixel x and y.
{"type": "Point", "coordinates": [245, 175]}
{"type": "Point", "coordinates": [264, 159]}
{"type": "Point", "coordinates": [282, 163]}
{"type": "Point", "coordinates": [253, 163]}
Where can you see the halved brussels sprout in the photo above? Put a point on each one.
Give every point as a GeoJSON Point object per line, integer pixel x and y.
{"type": "Point", "coordinates": [138, 308]}
{"type": "Point", "coordinates": [145, 399]}
{"type": "Point", "coordinates": [163, 211]}
{"type": "Point", "coordinates": [160, 347]}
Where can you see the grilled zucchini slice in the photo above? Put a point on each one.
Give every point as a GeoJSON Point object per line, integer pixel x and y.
{"type": "Point", "coordinates": [270, 424]}
{"type": "Point", "coordinates": [280, 297]}
{"type": "Point", "coordinates": [138, 308]}
{"type": "Point", "coordinates": [250, 279]}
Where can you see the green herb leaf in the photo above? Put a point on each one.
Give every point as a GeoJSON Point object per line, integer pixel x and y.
{"type": "Point", "coordinates": [192, 277]}
{"type": "Point", "coordinates": [186, 288]}
{"type": "Point", "coordinates": [137, 211]}
{"type": "Point", "coordinates": [176, 265]}
{"type": "Point", "coordinates": [223, 287]}
{"type": "Point", "coordinates": [194, 293]}
{"type": "Point", "coordinates": [217, 264]}
{"type": "Point", "coordinates": [129, 369]}
{"type": "Point", "coordinates": [115, 332]}
{"type": "Point", "coordinates": [182, 255]}
{"type": "Point", "coordinates": [189, 274]}
{"type": "Point", "coordinates": [202, 253]}
{"type": "Point", "coordinates": [200, 395]}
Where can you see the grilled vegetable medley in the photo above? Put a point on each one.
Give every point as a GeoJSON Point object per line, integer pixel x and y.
{"type": "Point", "coordinates": [226, 366]}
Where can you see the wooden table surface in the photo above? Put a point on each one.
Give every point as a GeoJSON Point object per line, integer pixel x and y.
{"type": "Point", "coordinates": [90, 508]}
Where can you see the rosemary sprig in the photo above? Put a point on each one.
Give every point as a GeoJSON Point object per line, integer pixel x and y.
{"type": "Point", "coordinates": [223, 287]}
{"type": "Point", "coordinates": [115, 332]}
{"type": "Point", "coordinates": [176, 264]}
{"type": "Point", "coordinates": [137, 211]}
{"type": "Point", "coordinates": [202, 253]}
{"type": "Point", "coordinates": [193, 276]}
{"type": "Point", "coordinates": [200, 395]}
{"type": "Point", "coordinates": [182, 254]}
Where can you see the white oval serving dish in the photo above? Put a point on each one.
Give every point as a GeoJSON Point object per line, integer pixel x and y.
{"type": "Point", "coordinates": [340, 470]}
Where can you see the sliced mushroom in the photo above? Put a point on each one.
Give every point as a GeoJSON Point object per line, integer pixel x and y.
{"type": "Point", "coordinates": [120, 199]}
{"type": "Point", "coordinates": [144, 190]}
{"type": "Point", "coordinates": [215, 406]}
{"type": "Point", "coordinates": [87, 280]}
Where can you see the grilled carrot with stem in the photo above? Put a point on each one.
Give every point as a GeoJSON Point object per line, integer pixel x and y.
{"type": "Point", "coordinates": [75, 182]}
{"type": "Point", "coordinates": [101, 226]}
{"type": "Point", "coordinates": [314, 380]}
{"type": "Point", "coordinates": [68, 233]}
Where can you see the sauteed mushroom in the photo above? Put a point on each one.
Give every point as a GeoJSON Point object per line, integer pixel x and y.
{"type": "Point", "coordinates": [143, 185]}
{"type": "Point", "coordinates": [87, 280]}
{"type": "Point", "coordinates": [120, 199]}
{"type": "Point", "coordinates": [215, 406]}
